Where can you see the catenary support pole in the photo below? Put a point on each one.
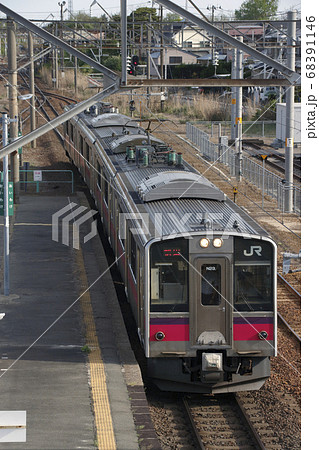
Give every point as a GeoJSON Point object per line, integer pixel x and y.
{"type": "Point", "coordinates": [239, 112]}
{"type": "Point", "coordinates": [75, 66]}
{"type": "Point", "coordinates": [32, 91]}
{"type": "Point", "coordinates": [233, 94]}
{"type": "Point", "coordinates": [124, 40]}
{"type": "Point", "coordinates": [6, 234]}
{"type": "Point", "coordinates": [290, 105]}
{"type": "Point", "coordinates": [13, 103]}
{"type": "Point", "coordinates": [149, 30]}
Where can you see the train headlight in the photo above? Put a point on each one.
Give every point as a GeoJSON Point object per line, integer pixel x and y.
{"type": "Point", "coordinates": [159, 336]}
{"type": "Point", "coordinates": [263, 335]}
{"type": "Point", "coordinates": [204, 242]}
{"type": "Point", "coordinates": [217, 242]}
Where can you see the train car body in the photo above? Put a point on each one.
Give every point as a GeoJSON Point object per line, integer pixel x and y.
{"type": "Point", "coordinates": [199, 273]}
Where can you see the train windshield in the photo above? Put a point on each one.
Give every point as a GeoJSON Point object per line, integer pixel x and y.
{"type": "Point", "coordinates": [253, 276]}
{"type": "Point", "coordinates": [169, 276]}
{"type": "Point", "coordinates": [253, 288]}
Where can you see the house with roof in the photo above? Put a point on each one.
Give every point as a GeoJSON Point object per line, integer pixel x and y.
{"type": "Point", "coordinates": [172, 56]}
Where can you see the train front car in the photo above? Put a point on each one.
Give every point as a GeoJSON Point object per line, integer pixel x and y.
{"type": "Point", "coordinates": [199, 273]}
{"type": "Point", "coordinates": [212, 306]}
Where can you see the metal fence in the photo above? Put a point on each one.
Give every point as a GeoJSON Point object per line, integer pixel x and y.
{"type": "Point", "coordinates": [270, 183]}
{"type": "Point", "coordinates": [44, 180]}
{"type": "Point", "coordinates": [259, 129]}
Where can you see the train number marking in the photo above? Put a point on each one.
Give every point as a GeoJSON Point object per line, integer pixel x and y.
{"type": "Point", "coordinates": [254, 248]}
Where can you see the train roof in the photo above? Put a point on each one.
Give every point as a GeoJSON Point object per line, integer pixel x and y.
{"type": "Point", "coordinates": [180, 196]}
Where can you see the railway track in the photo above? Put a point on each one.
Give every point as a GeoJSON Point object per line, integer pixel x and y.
{"type": "Point", "coordinates": [289, 307]}
{"type": "Point", "coordinates": [63, 98]}
{"type": "Point", "coordinates": [275, 161]}
{"type": "Point", "coordinates": [44, 101]}
{"type": "Point", "coordinates": [227, 422]}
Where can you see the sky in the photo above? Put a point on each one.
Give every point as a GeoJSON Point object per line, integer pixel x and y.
{"type": "Point", "coordinates": [40, 9]}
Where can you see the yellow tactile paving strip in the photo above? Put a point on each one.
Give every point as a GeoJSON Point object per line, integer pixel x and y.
{"type": "Point", "coordinates": [101, 406]}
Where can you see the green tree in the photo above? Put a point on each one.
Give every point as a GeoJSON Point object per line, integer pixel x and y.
{"type": "Point", "coordinates": [143, 15]}
{"type": "Point", "coordinates": [172, 17]}
{"type": "Point", "coordinates": [84, 21]}
{"type": "Point", "coordinates": [256, 9]}
{"type": "Point", "coordinates": [112, 62]}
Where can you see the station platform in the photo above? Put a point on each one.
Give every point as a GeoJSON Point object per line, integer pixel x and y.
{"type": "Point", "coordinates": [65, 357]}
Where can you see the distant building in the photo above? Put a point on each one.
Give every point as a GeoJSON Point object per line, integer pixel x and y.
{"type": "Point", "coordinates": [172, 56]}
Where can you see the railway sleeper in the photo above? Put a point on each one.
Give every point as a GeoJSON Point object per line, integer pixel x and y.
{"type": "Point", "coordinates": [229, 445]}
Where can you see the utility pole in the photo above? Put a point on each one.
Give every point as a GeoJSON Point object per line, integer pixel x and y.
{"type": "Point", "coordinates": [32, 91]}
{"type": "Point", "coordinates": [233, 94]}
{"type": "Point", "coordinates": [239, 111]}
{"type": "Point", "coordinates": [55, 63]}
{"type": "Point", "coordinates": [162, 46]}
{"type": "Point", "coordinates": [6, 234]}
{"type": "Point", "coordinates": [290, 116]}
{"type": "Point", "coordinates": [61, 4]}
{"type": "Point", "coordinates": [124, 41]}
{"type": "Point", "coordinates": [149, 58]}
{"type": "Point", "coordinates": [75, 63]}
{"type": "Point", "coordinates": [13, 103]}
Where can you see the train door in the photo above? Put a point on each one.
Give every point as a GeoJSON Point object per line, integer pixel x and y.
{"type": "Point", "coordinates": [141, 297]}
{"type": "Point", "coordinates": [211, 306]}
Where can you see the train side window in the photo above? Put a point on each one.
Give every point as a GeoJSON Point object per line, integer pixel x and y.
{"type": "Point", "coordinates": [169, 276]}
{"type": "Point", "coordinates": [133, 254]}
{"type": "Point", "coordinates": [111, 204]}
{"type": "Point", "coordinates": [71, 132]}
{"type": "Point", "coordinates": [98, 174]}
{"type": "Point", "coordinates": [87, 153]}
{"type": "Point", "coordinates": [210, 284]}
{"type": "Point", "coordinates": [81, 144]}
{"type": "Point", "coordinates": [121, 228]}
{"type": "Point", "coordinates": [106, 191]}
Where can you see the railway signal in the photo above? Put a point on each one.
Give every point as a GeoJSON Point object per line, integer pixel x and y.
{"type": "Point", "coordinates": [129, 66]}
{"type": "Point", "coordinates": [135, 62]}
{"type": "Point", "coordinates": [215, 58]}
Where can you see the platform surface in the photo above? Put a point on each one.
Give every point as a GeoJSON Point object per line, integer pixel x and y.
{"type": "Point", "coordinates": [47, 361]}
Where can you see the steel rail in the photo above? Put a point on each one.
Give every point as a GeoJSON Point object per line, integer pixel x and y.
{"type": "Point", "coordinates": [288, 286]}
{"type": "Point", "coordinates": [242, 414]}
{"type": "Point", "coordinates": [259, 149]}
{"type": "Point", "coordinates": [196, 434]}
{"type": "Point", "coordinates": [298, 296]}
{"type": "Point", "coordinates": [286, 324]}
{"type": "Point", "coordinates": [272, 164]}
{"type": "Point", "coordinates": [59, 97]}
{"type": "Point", "coordinates": [249, 423]}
